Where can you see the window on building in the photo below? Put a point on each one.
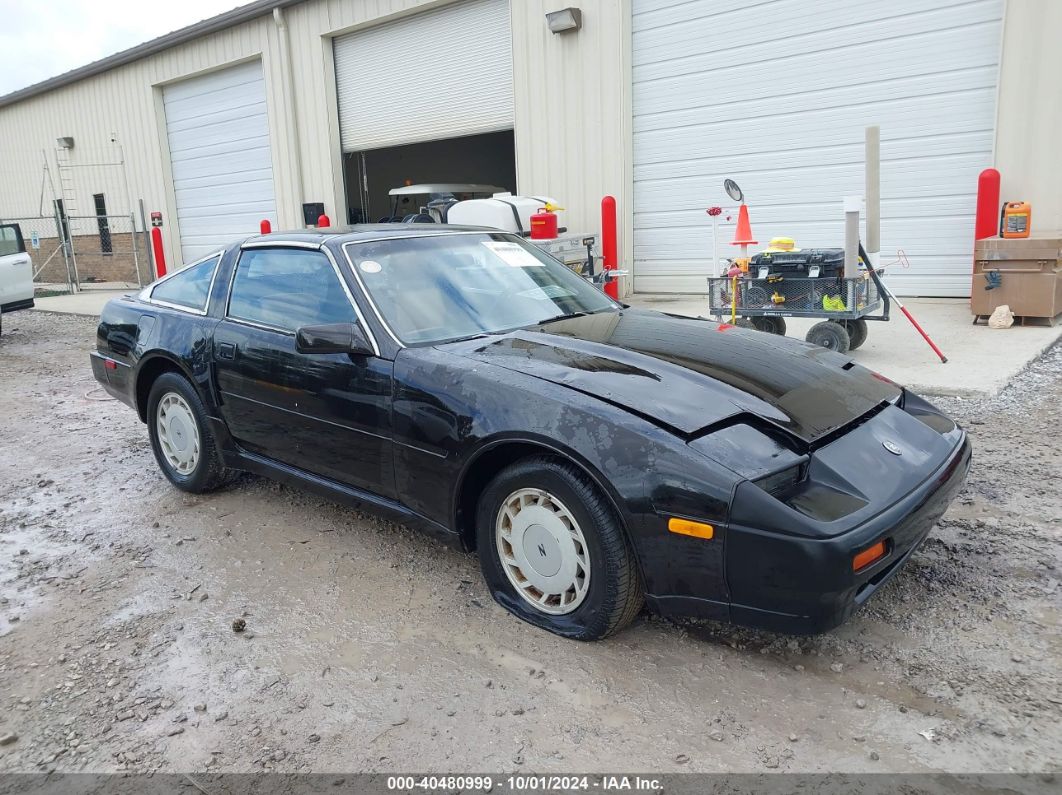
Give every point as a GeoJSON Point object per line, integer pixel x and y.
{"type": "Point", "coordinates": [189, 287]}
{"type": "Point", "coordinates": [288, 288]}
{"type": "Point", "coordinates": [103, 224]}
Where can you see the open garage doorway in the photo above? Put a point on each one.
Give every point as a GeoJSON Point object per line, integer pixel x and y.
{"type": "Point", "coordinates": [486, 159]}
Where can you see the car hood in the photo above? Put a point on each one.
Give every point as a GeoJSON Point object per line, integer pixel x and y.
{"type": "Point", "coordinates": [688, 374]}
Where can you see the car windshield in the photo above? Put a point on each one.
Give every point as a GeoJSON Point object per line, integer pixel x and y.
{"type": "Point", "coordinates": [445, 287]}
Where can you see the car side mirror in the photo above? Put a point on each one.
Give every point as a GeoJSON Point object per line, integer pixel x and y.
{"type": "Point", "coordinates": [333, 338]}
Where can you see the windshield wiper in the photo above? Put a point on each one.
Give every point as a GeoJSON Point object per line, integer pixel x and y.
{"type": "Point", "coordinates": [564, 316]}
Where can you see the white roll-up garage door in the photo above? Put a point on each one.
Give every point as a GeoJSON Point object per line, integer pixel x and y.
{"type": "Point", "coordinates": [222, 167]}
{"type": "Point", "coordinates": [439, 74]}
{"type": "Point", "coordinates": [777, 95]}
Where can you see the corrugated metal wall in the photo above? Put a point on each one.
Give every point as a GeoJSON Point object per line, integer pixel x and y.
{"type": "Point", "coordinates": [1029, 115]}
{"type": "Point", "coordinates": [785, 116]}
{"type": "Point", "coordinates": [573, 95]}
{"type": "Point", "coordinates": [127, 101]}
{"type": "Point", "coordinates": [573, 109]}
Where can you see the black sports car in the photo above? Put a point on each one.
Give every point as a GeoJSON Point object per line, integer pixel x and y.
{"type": "Point", "coordinates": [594, 455]}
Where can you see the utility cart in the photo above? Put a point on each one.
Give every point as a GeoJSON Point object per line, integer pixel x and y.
{"type": "Point", "coordinates": [764, 303]}
{"type": "Point", "coordinates": [784, 281]}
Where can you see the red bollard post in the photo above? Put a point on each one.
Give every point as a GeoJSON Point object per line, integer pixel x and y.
{"type": "Point", "coordinates": [987, 223]}
{"type": "Point", "coordinates": [323, 221]}
{"type": "Point", "coordinates": [609, 248]}
{"type": "Point", "coordinates": [265, 227]}
{"type": "Point", "coordinates": [157, 252]}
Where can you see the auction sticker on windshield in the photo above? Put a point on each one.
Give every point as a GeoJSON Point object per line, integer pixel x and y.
{"type": "Point", "coordinates": [513, 255]}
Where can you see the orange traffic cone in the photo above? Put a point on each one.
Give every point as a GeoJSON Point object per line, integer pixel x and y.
{"type": "Point", "coordinates": [743, 232]}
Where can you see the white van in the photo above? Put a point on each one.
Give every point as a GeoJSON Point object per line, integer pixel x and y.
{"type": "Point", "coordinates": [16, 272]}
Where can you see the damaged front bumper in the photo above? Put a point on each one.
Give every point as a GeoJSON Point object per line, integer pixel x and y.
{"type": "Point", "coordinates": [808, 585]}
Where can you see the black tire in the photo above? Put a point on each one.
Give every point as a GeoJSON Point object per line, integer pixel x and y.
{"type": "Point", "coordinates": [830, 335]}
{"type": "Point", "coordinates": [770, 324]}
{"type": "Point", "coordinates": [209, 472]}
{"type": "Point", "coordinates": [614, 594]}
{"type": "Point", "coordinates": [857, 332]}
{"type": "Point", "coordinates": [744, 322]}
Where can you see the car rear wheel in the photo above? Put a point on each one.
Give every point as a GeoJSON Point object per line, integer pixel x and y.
{"type": "Point", "coordinates": [553, 553]}
{"type": "Point", "coordinates": [181, 439]}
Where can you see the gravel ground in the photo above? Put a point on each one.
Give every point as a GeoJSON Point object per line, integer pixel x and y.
{"type": "Point", "coordinates": [371, 648]}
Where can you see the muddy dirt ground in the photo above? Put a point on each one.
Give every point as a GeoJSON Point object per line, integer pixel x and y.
{"type": "Point", "coordinates": [371, 648]}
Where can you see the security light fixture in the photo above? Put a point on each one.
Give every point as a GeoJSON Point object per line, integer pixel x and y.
{"type": "Point", "coordinates": [564, 21]}
{"type": "Point", "coordinates": [66, 142]}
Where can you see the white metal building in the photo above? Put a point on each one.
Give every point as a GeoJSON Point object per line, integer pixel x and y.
{"type": "Point", "coordinates": [283, 103]}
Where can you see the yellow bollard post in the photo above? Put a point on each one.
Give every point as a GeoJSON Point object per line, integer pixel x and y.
{"type": "Point", "coordinates": [733, 299]}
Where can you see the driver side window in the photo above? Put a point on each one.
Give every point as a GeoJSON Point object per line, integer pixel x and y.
{"type": "Point", "coordinates": [285, 288]}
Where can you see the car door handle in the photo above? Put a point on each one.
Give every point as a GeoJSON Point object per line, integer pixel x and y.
{"type": "Point", "coordinates": [226, 350]}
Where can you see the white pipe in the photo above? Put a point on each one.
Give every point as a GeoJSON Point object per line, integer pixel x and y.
{"type": "Point", "coordinates": [873, 191]}
{"type": "Point", "coordinates": [851, 236]}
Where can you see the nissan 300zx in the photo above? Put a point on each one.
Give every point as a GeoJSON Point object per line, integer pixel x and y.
{"type": "Point", "coordinates": [596, 457]}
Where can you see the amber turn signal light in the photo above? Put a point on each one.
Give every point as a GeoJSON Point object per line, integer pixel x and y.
{"type": "Point", "coordinates": [868, 556]}
{"type": "Point", "coordinates": [687, 528]}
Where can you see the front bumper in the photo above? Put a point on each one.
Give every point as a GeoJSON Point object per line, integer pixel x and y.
{"type": "Point", "coordinates": [797, 585]}
{"type": "Point", "coordinates": [803, 586]}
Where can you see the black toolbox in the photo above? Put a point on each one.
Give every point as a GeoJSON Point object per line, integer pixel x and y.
{"type": "Point", "coordinates": [802, 263]}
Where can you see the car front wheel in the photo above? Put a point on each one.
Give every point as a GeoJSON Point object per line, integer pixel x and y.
{"type": "Point", "coordinates": [553, 552]}
{"type": "Point", "coordinates": [181, 439]}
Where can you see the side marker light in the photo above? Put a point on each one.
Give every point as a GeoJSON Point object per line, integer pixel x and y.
{"type": "Point", "coordinates": [868, 556]}
{"type": "Point", "coordinates": [686, 527]}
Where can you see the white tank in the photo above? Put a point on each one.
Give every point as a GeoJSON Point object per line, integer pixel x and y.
{"type": "Point", "coordinates": [500, 212]}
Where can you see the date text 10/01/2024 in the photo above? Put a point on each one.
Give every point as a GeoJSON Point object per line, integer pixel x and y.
{"type": "Point", "coordinates": [523, 783]}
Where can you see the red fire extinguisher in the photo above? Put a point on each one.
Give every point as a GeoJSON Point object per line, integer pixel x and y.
{"type": "Point", "coordinates": [544, 222]}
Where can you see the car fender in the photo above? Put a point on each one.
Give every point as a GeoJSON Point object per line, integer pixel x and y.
{"type": "Point", "coordinates": [545, 443]}
{"type": "Point", "coordinates": [148, 362]}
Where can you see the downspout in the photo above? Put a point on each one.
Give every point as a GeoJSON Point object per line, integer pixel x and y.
{"type": "Point", "coordinates": [292, 114]}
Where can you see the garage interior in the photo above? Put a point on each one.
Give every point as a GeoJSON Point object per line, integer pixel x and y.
{"type": "Point", "coordinates": [485, 159]}
{"type": "Point", "coordinates": [454, 126]}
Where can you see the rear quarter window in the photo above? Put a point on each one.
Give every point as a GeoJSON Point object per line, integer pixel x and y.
{"type": "Point", "coordinates": [189, 287]}
{"type": "Point", "coordinates": [11, 240]}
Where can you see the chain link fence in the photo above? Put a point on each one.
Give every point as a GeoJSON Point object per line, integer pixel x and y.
{"type": "Point", "coordinates": [106, 251]}
{"type": "Point", "coordinates": [75, 253]}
